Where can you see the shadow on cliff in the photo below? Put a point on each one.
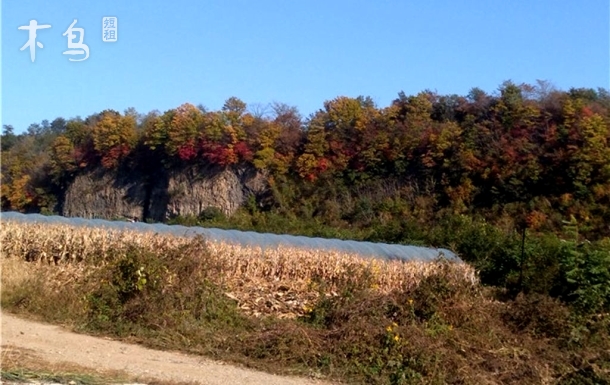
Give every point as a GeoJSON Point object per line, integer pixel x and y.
{"type": "Point", "coordinates": [146, 189]}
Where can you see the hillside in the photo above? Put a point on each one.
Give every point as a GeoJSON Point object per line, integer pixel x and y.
{"type": "Point", "coordinates": [527, 150]}
{"type": "Point", "coordinates": [517, 183]}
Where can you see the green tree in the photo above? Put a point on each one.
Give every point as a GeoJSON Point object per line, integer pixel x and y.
{"type": "Point", "coordinates": [8, 138]}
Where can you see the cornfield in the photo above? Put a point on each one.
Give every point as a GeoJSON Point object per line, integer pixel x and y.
{"type": "Point", "coordinates": [283, 281]}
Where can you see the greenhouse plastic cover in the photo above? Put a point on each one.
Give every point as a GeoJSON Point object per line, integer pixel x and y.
{"type": "Point", "coordinates": [250, 238]}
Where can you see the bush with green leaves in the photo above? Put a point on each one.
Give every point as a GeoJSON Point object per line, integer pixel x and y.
{"type": "Point", "coordinates": [585, 275]}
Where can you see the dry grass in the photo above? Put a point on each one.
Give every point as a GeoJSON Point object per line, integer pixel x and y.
{"type": "Point", "coordinates": [19, 365]}
{"type": "Point", "coordinates": [25, 366]}
{"type": "Point", "coordinates": [283, 281]}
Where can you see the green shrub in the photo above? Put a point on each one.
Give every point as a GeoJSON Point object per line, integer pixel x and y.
{"type": "Point", "coordinates": [211, 213]}
{"type": "Point", "coordinates": [585, 276]}
{"type": "Point", "coordinates": [142, 289]}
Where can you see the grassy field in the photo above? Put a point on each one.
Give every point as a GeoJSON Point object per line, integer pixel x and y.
{"type": "Point", "coordinates": [297, 311]}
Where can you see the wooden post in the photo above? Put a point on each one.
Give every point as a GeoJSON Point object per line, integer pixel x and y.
{"type": "Point", "coordinates": [523, 230]}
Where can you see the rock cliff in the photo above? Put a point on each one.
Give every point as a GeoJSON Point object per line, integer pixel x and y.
{"type": "Point", "coordinates": [168, 193]}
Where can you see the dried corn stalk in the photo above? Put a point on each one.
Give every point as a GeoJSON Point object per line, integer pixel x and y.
{"type": "Point", "coordinates": [284, 281]}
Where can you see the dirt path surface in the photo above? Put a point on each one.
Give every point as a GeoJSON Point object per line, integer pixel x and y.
{"type": "Point", "coordinates": [54, 344]}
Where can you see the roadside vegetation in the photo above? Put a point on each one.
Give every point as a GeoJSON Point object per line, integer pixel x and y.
{"type": "Point", "coordinates": [356, 320]}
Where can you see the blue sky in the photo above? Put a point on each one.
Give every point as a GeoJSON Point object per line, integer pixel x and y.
{"type": "Point", "coordinates": [299, 52]}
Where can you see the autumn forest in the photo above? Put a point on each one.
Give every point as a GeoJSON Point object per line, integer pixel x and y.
{"type": "Point", "coordinates": [478, 173]}
{"type": "Point", "coordinates": [543, 150]}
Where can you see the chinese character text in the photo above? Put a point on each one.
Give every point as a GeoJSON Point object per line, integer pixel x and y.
{"type": "Point", "coordinates": [110, 27]}
{"type": "Point", "coordinates": [78, 48]}
{"type": "Point", "coordinates": [32, 43]}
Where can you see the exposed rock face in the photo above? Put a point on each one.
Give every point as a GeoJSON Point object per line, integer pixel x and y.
{"type": "Point", "coordinates": [192, 190]}
{"type": "Point", "coordinates": [183, 192]}
{"type": "Point", "coordinates": [105, 195]}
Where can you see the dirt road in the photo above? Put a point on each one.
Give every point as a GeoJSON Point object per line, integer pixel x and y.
{"type": "Point", "coordinates": [55, 344]}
